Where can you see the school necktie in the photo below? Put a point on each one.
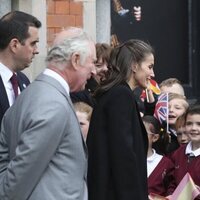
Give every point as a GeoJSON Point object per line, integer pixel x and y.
{"type": "Point", "coordinates": [14, 83]}
{"type": "Point", "coordinates": [190, 157]}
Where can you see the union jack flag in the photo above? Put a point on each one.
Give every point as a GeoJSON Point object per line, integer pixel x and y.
{"type": "Point", "coordinates": [161, 109]}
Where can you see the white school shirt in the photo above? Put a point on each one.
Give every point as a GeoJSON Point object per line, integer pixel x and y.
{"type": "Point", "coordinates": [152, 162]}
{"type": "Point", "coordinates": [189, 150]}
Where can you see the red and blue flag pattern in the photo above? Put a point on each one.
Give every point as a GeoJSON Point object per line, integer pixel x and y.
{"type": "Point", "coordinates": [161, 109]}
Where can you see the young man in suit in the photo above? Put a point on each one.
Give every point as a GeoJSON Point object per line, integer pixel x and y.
{"type": "Point", "coordinates": [18, 46]}
{"type": "Point", "coordinates": [42, 153]}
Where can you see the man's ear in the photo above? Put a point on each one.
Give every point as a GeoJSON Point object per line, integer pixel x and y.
{"type": "Point", "coordinates": [14, 44]}
{"type": "Point", "coordinates": [75, 59]}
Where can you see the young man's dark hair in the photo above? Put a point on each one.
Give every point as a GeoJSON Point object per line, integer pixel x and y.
{"type": "Point", "coordinates": [15, 24]}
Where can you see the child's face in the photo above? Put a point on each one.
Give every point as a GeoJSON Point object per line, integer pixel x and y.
{"type": "Point", "coordinates": [101, 69]}
{"type": "Point", "coordinates": [182, 136]}
{"type": "Point", "coordinates": [193, 127]}
{"type": "Point", "coordinates": [84, 123]}
{"type": "Point", "coordinates": [176, 109]}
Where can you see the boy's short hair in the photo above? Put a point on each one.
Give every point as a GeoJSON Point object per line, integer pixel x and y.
{"type": "Point", "coordinates": [83, 107]}
{"type": "Point", "coordinates": [192, 110]}
{"type": "Point", "coordinates": [179, 96]}
{"type": "Point", "coordinates": [170, 83]}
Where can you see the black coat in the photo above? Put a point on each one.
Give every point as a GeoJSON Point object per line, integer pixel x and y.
{"type": "Point", "coordinates": [86, 95]}
{"type": "Point", "coordinates": [117, 144]}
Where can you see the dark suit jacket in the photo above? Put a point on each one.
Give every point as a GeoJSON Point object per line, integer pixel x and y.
{"type": "Point", "coordinates": [23, 82]}
{"type": "Point", "coordinates": [117, 144]}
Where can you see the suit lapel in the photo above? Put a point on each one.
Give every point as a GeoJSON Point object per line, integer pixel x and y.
{"type": "Point", "coordinates": [3, 98]}
{"type": "Point", "coordinates": [21, 83]}
{"type": "Point", "coordinates": [59, 87]}
{"type": "Point", "coordinates": [4, 103]}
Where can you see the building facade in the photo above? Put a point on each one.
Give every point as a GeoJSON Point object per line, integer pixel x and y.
{"type": "Point", "coordinates": [94, 16]}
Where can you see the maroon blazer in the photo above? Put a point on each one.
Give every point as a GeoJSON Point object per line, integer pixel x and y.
{"type": "Point", "coordinates": [117, 147]}
{"type": "Point", "coordinates": [184, 164]}
{"type": "Point", "coordinates": [161, 181]}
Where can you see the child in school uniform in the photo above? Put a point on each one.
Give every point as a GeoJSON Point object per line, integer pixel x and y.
{"type": "Point", "coordinates": [177, 107]}
{"type": "Point", "coordinates": [187, 157]}
{"type": "Point", "coordinates": [182, 136]}
{"type": "Point", "coordinates": [159, 168]}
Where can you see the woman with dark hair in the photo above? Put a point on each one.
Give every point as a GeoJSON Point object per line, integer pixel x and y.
{"type": "Point", "coordinates": [117, 140]}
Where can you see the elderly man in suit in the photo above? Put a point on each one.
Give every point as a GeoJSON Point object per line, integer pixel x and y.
{"type": "Point", "coordinates": [42, 152]}
{"type": "Point", "coordinates": [18, 46]}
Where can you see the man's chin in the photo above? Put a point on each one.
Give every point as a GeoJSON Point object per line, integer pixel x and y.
{"type": "Point", "coordinates": [82, 88]}
{"type": "Point", "coordinates": [25, 66]}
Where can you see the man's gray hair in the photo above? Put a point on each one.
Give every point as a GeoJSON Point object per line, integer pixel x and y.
{"type": "Point", "coordinates": [62, 51]}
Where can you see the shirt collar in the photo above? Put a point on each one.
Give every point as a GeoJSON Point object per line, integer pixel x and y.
{"type": "Point", "coordinates": [59, 78]}
{"type": "Point", "coordinates": [152, 157]}
{"type": "Point", "coordinates": [189, 150]}
{"type": "Point", "coordinates": [5, 73]}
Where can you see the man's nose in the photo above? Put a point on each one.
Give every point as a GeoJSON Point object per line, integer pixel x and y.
{"type": "Point", "coordinates": [94, 71]}
{"type": "Point", "coordinates": [36, 51]}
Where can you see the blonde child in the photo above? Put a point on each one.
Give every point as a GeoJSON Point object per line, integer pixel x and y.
{"type": "Point", "coordinates": [172, 85]}
{"type": "Point", "coordinates": [177, 106]}
{"type": "Point", "coordinates": [83, 112]}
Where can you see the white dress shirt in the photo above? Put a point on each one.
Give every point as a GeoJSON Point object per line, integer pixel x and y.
{"type": "Point", "coordinates": [6, 74]}
{"type": "Point", "coordinates": [58, 77]}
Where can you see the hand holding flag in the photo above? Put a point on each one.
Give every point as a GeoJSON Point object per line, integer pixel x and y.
{"type": "Point", "coordinates": [153, 86]}
{"type": "Point", "coordinates": [186, 190]}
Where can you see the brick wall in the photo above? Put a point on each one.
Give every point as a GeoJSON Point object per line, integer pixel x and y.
{"type": "Point", "coordinates": [61, 14]}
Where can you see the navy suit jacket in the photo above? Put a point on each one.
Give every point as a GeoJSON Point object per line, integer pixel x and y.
{"type": "Point", "coordinates": [23, 82]}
